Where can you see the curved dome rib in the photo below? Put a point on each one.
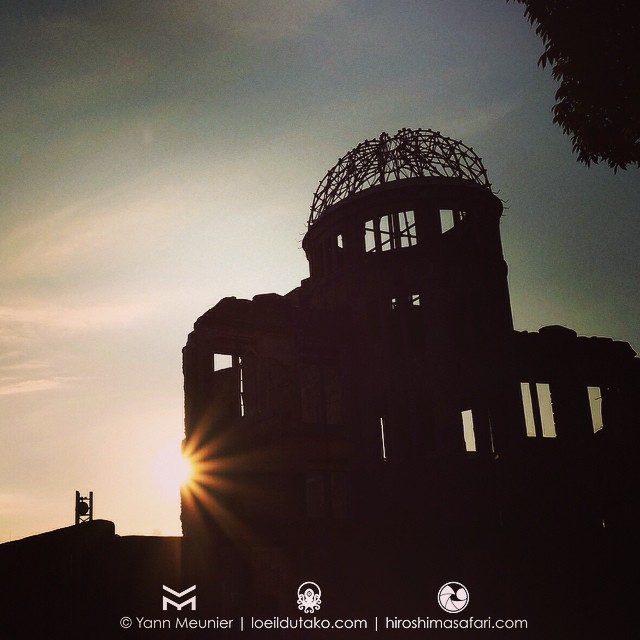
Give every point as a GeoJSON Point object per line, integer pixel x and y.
{"type": "Point", "coordinates": [408, 154]}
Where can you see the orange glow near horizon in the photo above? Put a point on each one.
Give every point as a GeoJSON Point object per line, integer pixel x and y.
{"type": "Point", "coordinates": [172, 470]}
{"type": "Point", "coordinates": [207, 484]}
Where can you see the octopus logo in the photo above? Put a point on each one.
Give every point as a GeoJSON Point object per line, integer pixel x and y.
{"type": "Point", "coordinates": [309, 597]}
{"type": "Point", "coordinates": [453, 597]}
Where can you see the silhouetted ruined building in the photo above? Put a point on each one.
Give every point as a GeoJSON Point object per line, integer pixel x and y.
{"type": "Point", "coordinates": [380, 430]}
{"type": "Point", "coordinates": [356, 428]}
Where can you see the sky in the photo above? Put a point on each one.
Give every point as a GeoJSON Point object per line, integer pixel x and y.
{"type": "Point", "coordinates": [158, 156]}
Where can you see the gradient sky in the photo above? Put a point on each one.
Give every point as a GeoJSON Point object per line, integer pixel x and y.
{"type": "Point", "coordinates": [157, 156]}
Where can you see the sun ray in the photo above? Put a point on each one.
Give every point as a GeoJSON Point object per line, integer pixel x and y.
{"type": "Point", "coordinates": [212, 481]}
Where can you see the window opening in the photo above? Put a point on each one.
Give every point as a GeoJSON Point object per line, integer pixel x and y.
{"type": "Point", "coordinates": [370, 236]}
{"type": "Point", "coordinates": [446, 220]}
{"type": "Point", "coordinates": [339, 241]}
{"type": "Point", "coordinates": [528, 409]}
{"type": "Point", "coordinates": [538, 409]}
{"type": "Point", "coordinates": [595, 404]}
{"type": "Point", "coordinates": [468, 429]}
{"type": "Point", "coordinates": [546, 411]}
{"type": "Point", "coordinates": [493, 444]}
{"type": "Point", "coordinates": [221, 361]}
{"type": "Point", "coordinates": [383, 444]}
{"type": "Point", "coordinates": [390, 231]}
{"type": "Point", "coordinates": [387, 235]}
{"type": "Point", "coordinates": [415, 324]}
{"type": "Point", "coordinates": [241, 377]}
{"type": "Point", "coordinates": [407, 229]}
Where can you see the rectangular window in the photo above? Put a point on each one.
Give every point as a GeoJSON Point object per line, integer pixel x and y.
{"type": "Point", "coordinates": [339, 241]}
{"type": "Point", "coordinates": [222, 361]}
{"type": "Point", "coordinates": [528, 409]}
{"type": "Point", "coordinates": [469, 433]}
{"type": "Point", "coordinates": [241, 385]}
{"type": "Point", "coordinates": [370, 236]}
{"type": "Point", "coordinates": [383, 442]}
{"type": "Point", "coordinates": [446, 220]}
{"type": "Point", "coordinates": [546, 411]}
{"type": "Point", "coordinates": [407, 229]}
{"type": "Point", "coordinates": [595, 404]}
{"type": "Point", "coordinates": [390, 231]}
{"type": "Point", "coordinates": [406, 301]}
{"type": "Point", "coordinates": [387, 233]}
{"type": "Point", "coordinates": [538, 410]}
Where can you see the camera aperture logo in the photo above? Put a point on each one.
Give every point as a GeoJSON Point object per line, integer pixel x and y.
{"type": "Point", "coordinates": [309, 595]}
{"type": "Point", "coordinates": [453, 597]}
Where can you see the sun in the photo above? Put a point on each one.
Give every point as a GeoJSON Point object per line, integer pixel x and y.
{"type": "Point", "coordinates": [171, 469]}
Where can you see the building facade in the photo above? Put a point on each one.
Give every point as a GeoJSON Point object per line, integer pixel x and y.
{"type": "Point", "coordinates": [387, 403]}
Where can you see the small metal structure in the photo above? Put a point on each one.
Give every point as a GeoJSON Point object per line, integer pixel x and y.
{"type": "Point", "coordinates": [418, 153]}
{"type": "Point", "coordinates": [84, 508]}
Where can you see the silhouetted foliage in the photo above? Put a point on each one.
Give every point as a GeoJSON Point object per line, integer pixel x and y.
{"type": "Point", "coordinates": [594, 52]}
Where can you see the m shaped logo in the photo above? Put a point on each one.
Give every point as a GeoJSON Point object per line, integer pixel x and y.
{"type": "Point", "coordinates": [179, 594]}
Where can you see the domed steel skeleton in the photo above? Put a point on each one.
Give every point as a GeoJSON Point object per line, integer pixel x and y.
{"type": "Point", "coordinates": [409, 154]}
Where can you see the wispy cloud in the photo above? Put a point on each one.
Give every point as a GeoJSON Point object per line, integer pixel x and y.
{"type": "Point", "coordinates": [15, 501]}
{"type": "Point", "coordinates": [114, 227]}
{"type": "Point", "coordinates": [32, 365]}
{"type": "Point", "coordinates": [29, 315]}
{"type": "Point", "coordinates": [273, 19]}
{"type": "Point", "coordinates": [467, 121]}
{"type": "Point", "coordinates": [35, 335]}
{"type": "Point", "coordinates": [20, 375]}
{"type": "Point", "coordinates": [11, 387]}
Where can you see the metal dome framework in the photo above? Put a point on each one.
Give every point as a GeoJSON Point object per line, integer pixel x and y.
{"type": "Point", "coordinates": [409, 154]}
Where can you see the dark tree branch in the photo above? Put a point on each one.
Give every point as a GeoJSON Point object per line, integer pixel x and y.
{"type": "Point", "coordinates": [593, 49]}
